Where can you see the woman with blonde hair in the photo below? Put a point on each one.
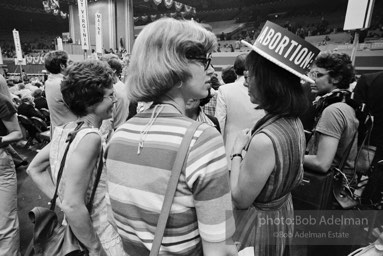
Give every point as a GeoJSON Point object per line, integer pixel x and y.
{"type": "Point", "coordinates": [169, 65]}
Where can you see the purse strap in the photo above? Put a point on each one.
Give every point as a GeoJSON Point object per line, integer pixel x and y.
{"type": "Point", "coordinates": [171, 189]}
{"type": "Point", "coordinates": [89, 205]}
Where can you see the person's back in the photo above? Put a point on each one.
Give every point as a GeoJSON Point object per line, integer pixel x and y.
{"type": "Point", "coordinates": [151, 169]}
{"type": "Point", "coordinates": [369, 90]}
{"type": "Point", "coordinates": [55, 62]}
{"type": "Point", "coordinates": [234, 111]}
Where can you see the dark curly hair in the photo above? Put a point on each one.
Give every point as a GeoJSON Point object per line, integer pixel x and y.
{"type": "Point", "coordinates": [339, 66]}
{"type": "Point", "coordinates": [54, 59]}
{"type": "Point", "coordinates": [84, 84]}
{"type": "Point", "coordinates": [279, 91]}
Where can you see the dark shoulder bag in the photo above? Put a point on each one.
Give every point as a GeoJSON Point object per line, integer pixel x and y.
{"type": "Point", "coordinates": [49, 236]}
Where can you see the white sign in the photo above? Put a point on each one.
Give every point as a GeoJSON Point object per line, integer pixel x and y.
{"type": "Point", "coordinates": [21, 62]}
{"type": "Point", "coordinates": [16, 39]}
{"type": "Point", "coordinates": [358, 15]}
{"type": "Point", "coordinates": [98, 25]}
{"type": "Point", "coordinates": [83, 16]}
{"type": "Point", "coordinates": [1, 57]}
{"type": "Point", "coordinates": [60, 44]}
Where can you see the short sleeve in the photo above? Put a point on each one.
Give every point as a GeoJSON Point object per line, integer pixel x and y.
{"type": "Point", "coordinates": [332, 121]}
{"type": "Point", "coordinates": [6, 107]}
{"type": "Point", "coordinates": [208, 178]}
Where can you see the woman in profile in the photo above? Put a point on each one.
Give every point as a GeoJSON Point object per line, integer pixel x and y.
{"type": "Point", "coordinates": [169, 65]}
{"type": "Point", "coordinates": [271, 168]}
{"type": "Point", "coordinates": [87, 89]}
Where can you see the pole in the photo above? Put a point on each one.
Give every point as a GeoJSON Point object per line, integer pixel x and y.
{"type": "Point", "coordinates": [85, 55]}
{"type": "Point", "coordinates": [355, 46]}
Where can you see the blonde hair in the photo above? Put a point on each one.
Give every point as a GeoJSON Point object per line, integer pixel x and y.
{"type": "Point", "coordinates": [158, 61]}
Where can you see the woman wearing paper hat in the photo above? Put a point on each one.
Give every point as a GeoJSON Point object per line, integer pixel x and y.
{"type": "Point", "coordinates": [267, 160]}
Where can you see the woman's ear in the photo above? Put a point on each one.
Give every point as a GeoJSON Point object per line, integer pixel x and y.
{"type": "Point", "coordinates": [335, 80]}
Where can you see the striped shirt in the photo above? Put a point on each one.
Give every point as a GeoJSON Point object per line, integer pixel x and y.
{"type": "Point", "coordinates": [202, 207]}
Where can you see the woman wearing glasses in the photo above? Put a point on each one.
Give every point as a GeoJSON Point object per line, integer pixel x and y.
{"type": "Point", "coordinates": [169, 65]}
{"type": "Point", "coordinates": [267, 161]}
{"type": "Point", "coordinates": [87, 89]}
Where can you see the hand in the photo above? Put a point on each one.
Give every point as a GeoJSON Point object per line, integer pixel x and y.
{"type": "Point", "coordinates": [242, 139]}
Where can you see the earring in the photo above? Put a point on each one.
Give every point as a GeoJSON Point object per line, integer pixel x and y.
{"type": "Point", "coordinates": [180, 85]}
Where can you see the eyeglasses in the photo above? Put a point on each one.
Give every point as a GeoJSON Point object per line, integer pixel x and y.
{"type": "Point", "coordinates": [316, 74]}
{"type": "Point", "coordinates": [203, 60]}
{"type": "Point", "coordinates": [112, 97]}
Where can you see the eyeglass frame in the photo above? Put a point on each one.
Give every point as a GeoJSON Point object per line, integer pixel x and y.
{"type": "Point", "coordinates": [205, 61]}
{"type": "Point", "coordinates": [312, 76]}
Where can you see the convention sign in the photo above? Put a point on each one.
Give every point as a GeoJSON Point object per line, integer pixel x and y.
{"type": "Point", "coordinates": [60, 44]}
{"type": "Point", "coordinates": [358, 14]}
{"type": "Point", "coordinates": [22, 62]}
{"type": "Point", "coordinates": [1, 57]}
{"type": "Point", "coordinates": [16, 39]}
{"type": "Point", "coordinates": [98, 25]}
{"type": "Point", "coordinates": [285, 49]}
{"type": "Point", "coordinates": [83, 17]}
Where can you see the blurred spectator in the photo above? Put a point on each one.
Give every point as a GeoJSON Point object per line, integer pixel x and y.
{"type": "Point", "coordinates": [27, 108]}
{"type": "Point", "coordinates": [229, 75]}
{"type": "Point", "coordinates": [40, 101]}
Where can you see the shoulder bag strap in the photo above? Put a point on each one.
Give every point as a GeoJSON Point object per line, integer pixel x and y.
{"type": "Point", "coordinates": [89, 205]}
{"type": "Point", "coordinates": [70, 138]}
{"type": "Point", "coordinates": [171, 189]}
{"type": "Point", "coordinates": [347, 153]}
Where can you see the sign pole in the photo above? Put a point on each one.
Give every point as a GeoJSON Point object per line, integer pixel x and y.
{"type": "Point", "coordinates": [355, 46]}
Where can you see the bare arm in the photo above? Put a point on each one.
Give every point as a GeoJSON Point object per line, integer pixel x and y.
{"type": "Point", "coordinates": [37, 170]}
{"type": "Point", "coordinates": [13, 128]}
{"type": "Point", "coordinates": [79, 168]}
{"type": "Point", "coordinates": [249, 178]}
{"type": "Point", "coordinates": [225, 248]}
{"type": "Point", "coordinates": [322, 161]}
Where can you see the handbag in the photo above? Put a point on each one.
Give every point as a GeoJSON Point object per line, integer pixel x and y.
{"type": "Point", "coordinates": [171, 189]}
{"type": "Point", "coordinates": [304, 196]}
{"type": "Point", "coordinates": [50, 237]}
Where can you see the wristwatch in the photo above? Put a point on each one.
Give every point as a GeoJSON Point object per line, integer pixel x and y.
{"type": "Point", "coordinates": [235, 155]}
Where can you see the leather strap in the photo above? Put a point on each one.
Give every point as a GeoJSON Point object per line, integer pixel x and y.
{"type": "Point", "coordinates": [70, 138]}
{"type": "Point", "coordinates": [171, 189]}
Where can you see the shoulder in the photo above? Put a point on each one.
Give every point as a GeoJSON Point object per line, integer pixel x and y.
{"type": "Point", "coordinates": [261, 141]}
{"type": "Point", "coordinates": [338, 108]}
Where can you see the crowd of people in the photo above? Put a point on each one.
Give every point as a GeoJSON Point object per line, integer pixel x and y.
{"type": "Point", "coordinates": [244, 160]}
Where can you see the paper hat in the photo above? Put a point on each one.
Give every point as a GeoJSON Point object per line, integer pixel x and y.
{"type": "Point", "coordinates": [285, 49]}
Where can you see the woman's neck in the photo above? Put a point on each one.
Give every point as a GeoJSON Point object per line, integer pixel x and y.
{"type": "Point", "coordinates": [177, 102]}
{"type": "Point", "coordinates": [91, 120]}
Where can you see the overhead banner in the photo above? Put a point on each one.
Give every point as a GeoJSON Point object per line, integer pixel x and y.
{"type": "Point", "coordinates": [60, 44]}
{"type": "Point", "coordinates": [16, 39]}
{"type": "Point", "coordinates": [358, 14]}
{"type": "Point", "coordinates": [83, 16]}
{"type": "Point", "coordinates": [98, 25]}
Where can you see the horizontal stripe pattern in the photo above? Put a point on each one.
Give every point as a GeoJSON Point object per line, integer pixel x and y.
{"type": "Point", "coordinates": [202, 207]}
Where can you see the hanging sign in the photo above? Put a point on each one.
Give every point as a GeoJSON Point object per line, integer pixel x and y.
{"type": "Point", "coordinates": [60, 44]}
{"type": "Point", "coordinates": [98, 25]}
{"type": "Point", "coordinates": [358, 14]}
{"type": "Point", "coordinates": [83, 17]}
{"type": "Point", "coordinates": [1, 57]}
{"type": "Point", "coordinates": [16, 39]}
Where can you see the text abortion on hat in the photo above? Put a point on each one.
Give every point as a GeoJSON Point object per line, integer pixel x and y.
{"type": "Point", "coordinates": [285, 49]}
